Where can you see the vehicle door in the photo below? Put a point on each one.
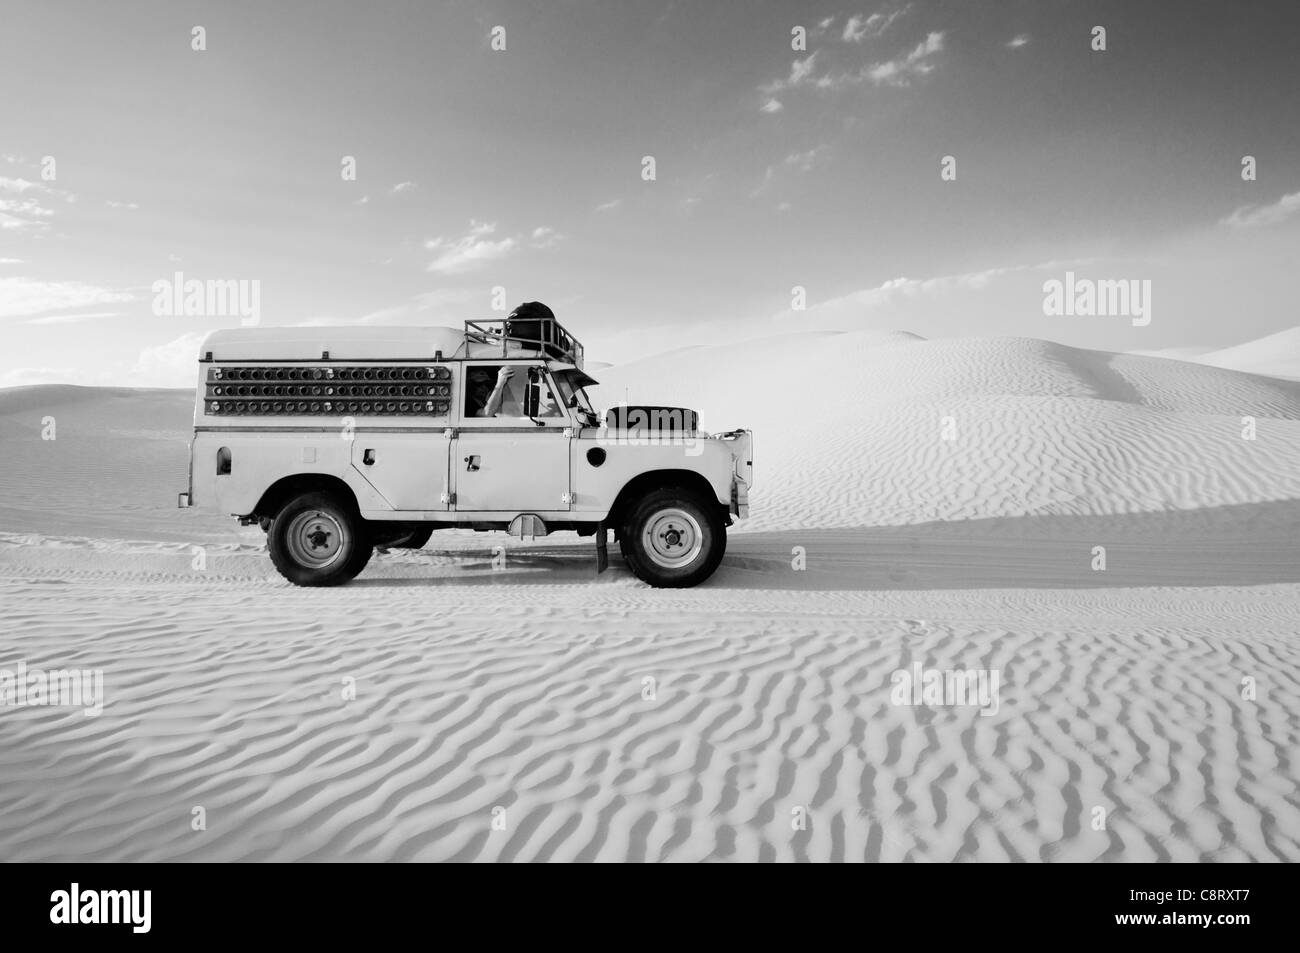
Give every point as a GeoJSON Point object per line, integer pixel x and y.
{"type": "Point", "coordinates": [517, 459]}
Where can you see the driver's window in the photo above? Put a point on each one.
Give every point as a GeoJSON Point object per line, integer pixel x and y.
{"type": "Point", "coordinates": [501, 392]}
{"type": "Point", "coordinates": [490, 391]}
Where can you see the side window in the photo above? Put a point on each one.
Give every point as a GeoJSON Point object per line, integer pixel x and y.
{"type": "Point", "coordinates": [479, 382]}
{"type": "Point", "coordinates": [506, 392]}
{"type": "Point", "coordinates": [495, 390]}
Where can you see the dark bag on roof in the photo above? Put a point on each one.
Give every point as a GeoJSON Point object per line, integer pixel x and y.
{"type": "Point", "coordinates": [529, 322]}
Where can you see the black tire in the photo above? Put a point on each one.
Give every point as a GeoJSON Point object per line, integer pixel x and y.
{"type": "Point", "coordinates": [318, 540]}
{"type": "Point", "coordinates": [673, 538]}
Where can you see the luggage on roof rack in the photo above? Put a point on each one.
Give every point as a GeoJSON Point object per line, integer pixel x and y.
{"type": "Point", "coordinates": [528, 321]}
{"type": "Point", "coordinates": [533, 331]}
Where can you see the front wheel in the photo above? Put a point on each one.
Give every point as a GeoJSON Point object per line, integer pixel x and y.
{"type": "Point", "coordinates": [315, 540]}
{"type": "Point", "coordinates": [673, 539]}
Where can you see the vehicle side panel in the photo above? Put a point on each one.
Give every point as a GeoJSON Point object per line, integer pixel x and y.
{"type": "Point", "coordinates": [595, 487]}
{"type": "Point", "coordinates": [409, 470]}
{"type": "Point", "coordinates": [257, 460]}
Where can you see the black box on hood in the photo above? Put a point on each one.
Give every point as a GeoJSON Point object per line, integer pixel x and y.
{"type": "Point", "coordinates": [645, 417]}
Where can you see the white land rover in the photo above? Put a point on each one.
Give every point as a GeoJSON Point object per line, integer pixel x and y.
{"type": "Point", "coordinates": [339, 440]}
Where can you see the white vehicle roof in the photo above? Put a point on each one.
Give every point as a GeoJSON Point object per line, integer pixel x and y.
{"type": "Point", "coordinates": [350, 344]}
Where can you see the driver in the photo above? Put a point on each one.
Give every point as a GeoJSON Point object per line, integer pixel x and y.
{"type": "Point", "coordinates": [489, 396]}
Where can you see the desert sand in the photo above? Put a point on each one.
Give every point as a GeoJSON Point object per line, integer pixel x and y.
{"type": "Point", "coordinates": [946, 500]}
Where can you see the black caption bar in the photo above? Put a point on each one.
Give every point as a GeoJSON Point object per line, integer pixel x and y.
{"type": "Point", "coordinates": [333, 902]}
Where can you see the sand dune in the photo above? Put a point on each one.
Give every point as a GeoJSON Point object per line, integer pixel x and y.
{"type": "Point", "coordinates": [520, 695]}
{"type": "Point", "coordinates": [858, 433]}
{"type": "Point", "coordinates": [1277, 355]}
{"type": "Point", "coordinates": [117, 457]}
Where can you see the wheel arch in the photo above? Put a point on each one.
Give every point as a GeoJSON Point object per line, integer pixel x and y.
{"type": "Point", "coordinates": [644, 483]}
{"type": "Point", "coordinates": [286, 488]}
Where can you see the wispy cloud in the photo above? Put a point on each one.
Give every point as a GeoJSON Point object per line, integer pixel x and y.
{"type": "Point", "coordinates": [28, 297]}
{"type": "Point", "coordinates": [545, 237]}
{"type": "Point", "coordinates": [168, 365]}
{"type": "Point", "coordinates": [800, 72]}
{"type": "Point", "coordinates": [28, 207]}
{"type": "Point", "coordinates": [470, 251]}
{"type": "Point", "coordinates": [21, 186]}
{"type": "Point", "coordinates": [447, 305]}
{"type": "Point", "coordinates": [126, 205]}
{"type": "Point", "coordinates": [855, 30]}
{"type": "Point", "coordinates": [72, 318]}
{"type": "Point", "coordinates": [900, 71]}
{"type": "Point", "coordinates": [859, 28]}
{"type": "Point", "coordinates": [905, 292]}
{"type": "Point", "coordinates": [805, 161]}
{"type": "Point", "coordinates": [910, 287]}
{"type": "Point", "coordinates": [15, 185]}
{"type": "Point", "coordinates": [609, 206]}
{"type": "Point", "coordinates": [401, 187]}
{"type": "Point", "coordinates": [1019, 40]}
{"type": "Point", "coordinates": [27, 210]}
{"type": "Point", "coordinates": [1253, 216]}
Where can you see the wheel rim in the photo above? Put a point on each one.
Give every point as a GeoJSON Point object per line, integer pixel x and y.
{"type": "Point", "coordinates": [316, 539]}
{"type": "Point", "coordinates": [672, 538]}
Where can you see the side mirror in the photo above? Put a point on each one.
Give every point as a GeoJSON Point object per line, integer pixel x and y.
{"type": "Point", "coordinates": [533, 392]}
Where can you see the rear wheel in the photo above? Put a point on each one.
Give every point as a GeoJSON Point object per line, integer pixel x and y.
{"type": "Point", "coordinates": [317, 540]}
{"type": "Point", "coordinates": [673, 538]}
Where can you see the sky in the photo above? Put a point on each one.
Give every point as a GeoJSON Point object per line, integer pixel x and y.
{"type": "Point", "coordinates": [793, 188]}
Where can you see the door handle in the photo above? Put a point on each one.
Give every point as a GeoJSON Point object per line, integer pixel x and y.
{"type": "Point", "coordinates": [472, 462]}
{"type": "Point", "coordinates": [368, 458]}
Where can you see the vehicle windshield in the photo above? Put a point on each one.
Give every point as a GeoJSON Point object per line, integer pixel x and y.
{"type": "Point", "coordinates": [574, 395]}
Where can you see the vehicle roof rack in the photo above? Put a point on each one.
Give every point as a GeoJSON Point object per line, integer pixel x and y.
{"type": "Point", "coordinates": [544, 335]}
